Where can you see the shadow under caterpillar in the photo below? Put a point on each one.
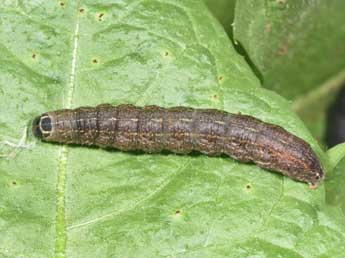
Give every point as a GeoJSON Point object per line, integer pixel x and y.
{"type": "Point", "coordinates": [182, 130]}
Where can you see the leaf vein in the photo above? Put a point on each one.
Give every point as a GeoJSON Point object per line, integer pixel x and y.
{"type": "Point", "coordinates": [115, 213]}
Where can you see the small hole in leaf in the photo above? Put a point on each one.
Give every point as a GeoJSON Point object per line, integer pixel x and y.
{"type": "Point", "coordinates": [166, 54]}
{"type": "Point", "coordinates": [248, 187]}
{"type": "Point", "coordinates": [100, 16]}
{"type": "Point", "coordinates": [178, 213]}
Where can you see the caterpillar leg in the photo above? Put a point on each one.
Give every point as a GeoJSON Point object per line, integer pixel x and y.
{"type": "Point", "coordinates": [313, 185]}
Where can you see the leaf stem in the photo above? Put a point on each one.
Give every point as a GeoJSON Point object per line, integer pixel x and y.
{"type": "Point", "coordinates": [331, 85]}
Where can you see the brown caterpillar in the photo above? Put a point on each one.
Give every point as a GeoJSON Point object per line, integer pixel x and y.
{"type": "Point", "coordinates": [182, 130]}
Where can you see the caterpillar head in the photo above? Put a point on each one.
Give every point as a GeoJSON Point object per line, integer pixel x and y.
{"type": "Point", "coordinates": [42, 126]}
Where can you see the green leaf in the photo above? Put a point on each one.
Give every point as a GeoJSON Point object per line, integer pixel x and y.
{"type": "Point", "coordinates": [62, 201]}
{"type": "Point", "coordinates": [336, 180]}
{"type": "Point", "coordinates": [335, 154]}
{"type": "Point", "coordinates": [297, 47]}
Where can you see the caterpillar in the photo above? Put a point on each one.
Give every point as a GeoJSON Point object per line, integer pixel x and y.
{"type": "Point", "coordinates": [183, 130]}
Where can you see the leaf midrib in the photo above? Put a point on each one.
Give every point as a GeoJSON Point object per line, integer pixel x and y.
{"type": "Point", "coordinates": [60, 223]}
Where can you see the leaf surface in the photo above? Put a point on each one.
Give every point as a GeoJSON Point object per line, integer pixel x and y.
{"type": "Point", "coordinates": [297, 46]}
{"type": "Point", "coordinates": [61, 201]}
{"type": "Point", "coordinates": [336, 180]}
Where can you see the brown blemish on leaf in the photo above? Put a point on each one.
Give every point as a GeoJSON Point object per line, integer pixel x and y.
{"type": "Point", "coordinates": [81, 10]}
{"type": "Point", "coordinates": [62, 4]}
{"type": "Point", "coordinates": [94, 60]}
{"type": "Point", "coordinates": [220, 78]}
{"type": "Point", "coordinates": [268, 28]}
{"type": "Point", "coordinates": [285, 45]}
{"type": "Point", "coordinates": [33, 55]}
{"type": "Point", "coordinates": [283, 49]}
{"type": "Point", "coordinates": [14, 183]}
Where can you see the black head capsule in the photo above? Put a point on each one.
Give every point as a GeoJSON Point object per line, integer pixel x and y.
{"type": "Point", "coordinates": [42, 126]}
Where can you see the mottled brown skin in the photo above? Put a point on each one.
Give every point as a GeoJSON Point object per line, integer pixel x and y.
{"type": "Point", "coordinates": [182, 130]}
